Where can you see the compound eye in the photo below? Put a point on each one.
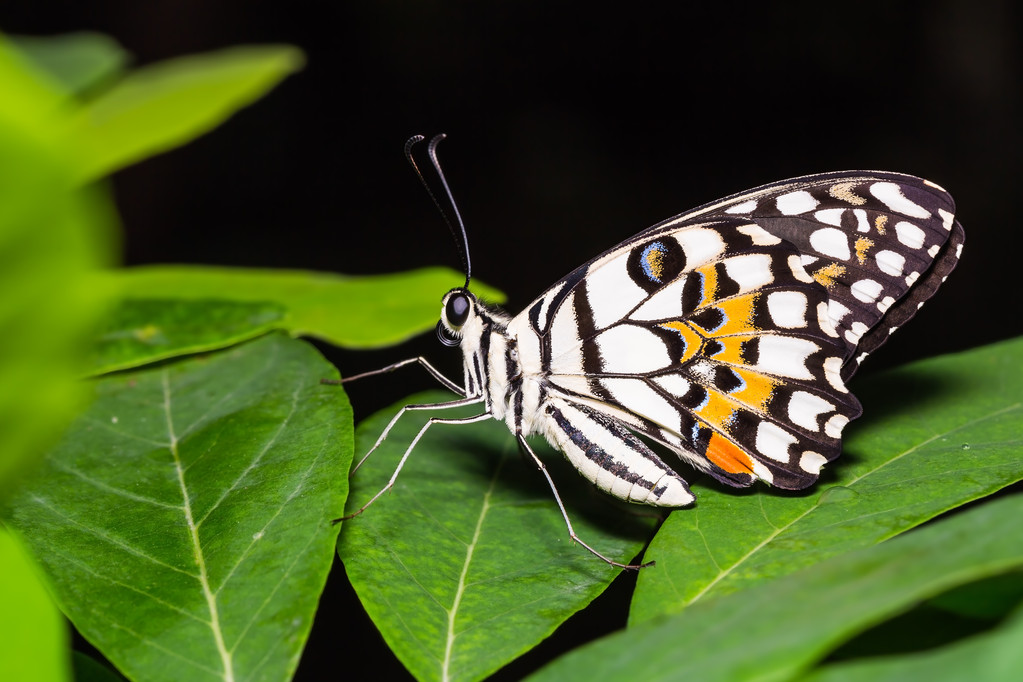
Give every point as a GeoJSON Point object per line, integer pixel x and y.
{"type": "Point", "coordinates": [456, 310]}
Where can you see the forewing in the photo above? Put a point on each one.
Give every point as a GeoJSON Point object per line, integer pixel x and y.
{"type": "Point", "coordinates": [881, 243]}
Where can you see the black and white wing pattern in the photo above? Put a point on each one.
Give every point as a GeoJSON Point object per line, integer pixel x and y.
{"type": "Point", "coordinates": [728, 332]}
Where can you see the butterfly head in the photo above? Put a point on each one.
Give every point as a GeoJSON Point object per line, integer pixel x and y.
{"type": "Point", "coordinates": [457, 308]}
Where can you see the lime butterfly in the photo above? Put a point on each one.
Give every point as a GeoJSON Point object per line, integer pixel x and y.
{"type": "Point", "coordinates": [725, 334]}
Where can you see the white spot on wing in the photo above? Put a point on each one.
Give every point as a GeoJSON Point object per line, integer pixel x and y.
{"type": "Point", "coordinates": [831, 242]}
{"type": "Point", "coordinates": [795, 203]}
{"type": "Point", "coordinates": [751, 271]}
{"type": "Point", "coordinates": [862, 225]}
{"type": "Point", "coordinates": [785, 356]}
{"type": "Point", "coordinates": [866, 290]}
{"type": "Point", "coordinates": [774, 442]}
{"type": "Point", "coordinates": [946, 219]}
{"type": "Point", "coordinates": [837, 422]}
{"type": "Point", "coordinates": [853, 334]}
{"type": "Point", "coordinates": [909, 234]}
{"type": "Point", "coordinates": [890, 262]}
{"type": "Point", "coordinates": [836, 311]}
{"type": "Point", "coordinates": [798, 271]}
{"type": "Point", "coordinates": [885, 303]}
{"type": "Point", "coordinates": [890, 194]}
{"type": "Point", "coordinates": [762, 472]}
{"type": "Point", "coordinates": [664, 304]}
{"type": "Point", "coordinates": [611, 292]}
{"type": "Point", "coordinates": [758, 235]}
{"type": "Point", "coordinates": [673, 384]}
{"type": "Point", "coordinates": [833, 373]}
{"type": "Point", "coordinates": [787, 308]}
{"type": "Point", "coordinates": [645, 401]}
{"type": "Point", "coordinates": [824, 320]}
{"type": "Point", "coordinates": [701, 245]}
{"type": "Point", "coordinates": [566, 352]}
{"type": "Point", "coordinates": [628, 349]}
{"type": "Point", "coordinates": [811, 462]}
{"type": "Point", "coordinates": [911, 277]}
{"type": "Point", "coordinates": [830, 216]}
{"type": "Point", "coordinates": [805, 408]}
{"type": "Point", "coordinates": [744, 207]}
{"type": "Point", "coordinates": [933, 251]}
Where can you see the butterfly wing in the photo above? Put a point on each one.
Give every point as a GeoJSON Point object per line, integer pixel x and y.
{"type": "Point", "coordinates": [880, 243]}
{"type": "Point", "coordinates": [724, 333]}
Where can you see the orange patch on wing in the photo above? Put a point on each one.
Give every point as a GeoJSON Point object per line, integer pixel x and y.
{"type": "Point", "coordinates": [718, 410]}
{"type": "Point", "coordinates": [727, 456]}
{"type": "Point", "coordinates": [880, 222]}
{"type": "Point", "coordinates": [731, 351]}
{"type": "Point", "coordinates": [827, 274]}
{"type": "Point", "coordinates": [692, 340]}
{"type": "Point", "coordinates": [862, 244]}
{"type": "Point", "coordinates": [739, 315]}
{"type": "Point", "coordinates": [710, 285]}
{"type": "Point", "coordinates": [757, 391]}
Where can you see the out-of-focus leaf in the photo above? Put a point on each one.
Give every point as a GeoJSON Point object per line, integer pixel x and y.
{"type": "Point", "coordinates": [938, 433]}
{"type": "Point", "coordinates": [357, 312]}
{"type": "Point", "coordinates": [52, 235]}
{"type": "Point", "coordinates": [141, 331]}
{"type": "Point", "coordinates": [33, 635]}
{"type": "Point", "coordinates": [466, 563]}
{"type": "Point", "coordinates": [78, 60]}
{"type": "Point", "coordinates": [185, 519]}
{"type": "Point", "coordinates": [777, 629]}
{"type": "Point", "coordinates": [991, 598]}
{"type": "Point", "coordinates": [993, 657]}
{"type": "Point", "coordinates": [165, 105]}
{"type": "Point", "coordinates": [90, 670]}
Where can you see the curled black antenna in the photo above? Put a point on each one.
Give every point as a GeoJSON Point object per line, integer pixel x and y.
{"type": "Point", "coordinates": [461, 241]}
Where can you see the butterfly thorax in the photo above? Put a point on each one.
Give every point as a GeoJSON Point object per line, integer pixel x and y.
{"type": "Point", "coordinates": [495, 367]}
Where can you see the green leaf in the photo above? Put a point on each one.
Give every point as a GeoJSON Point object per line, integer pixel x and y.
{"type": "Point", "coordinates": [991, 598]}
{"type": "Point", "coordinates": [142, 331]}
{"type": "Point", "coordinates": [52, 236]}
{"type": "Point", "coordinates": [33, 635]}
{"type": "Point", "coordinates": [165, 105]}
{"type": "Point", "coordinates": [78, 60]}
{"type": "Point", "coordinates": [184, 520]}
{"type": "Point", "coordinates": [357, 312]}
{"type": "Point", "coordinates": [90, 670]}
{"type": "Point", "coordinates": [466, 563]}
{"type": "Point", "coordinates": [778, 628]}
{"type": "Point", "coordinates": [938, 433]}
{"type": "Point", "coordinates": [990, 657]}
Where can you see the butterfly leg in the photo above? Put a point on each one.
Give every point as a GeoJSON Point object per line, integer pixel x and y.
{"type": "Point", "coordinates": [557, 498]}
{"type": "Point", "coordinates": [423, 362]}
{"type": "Point", "coordinates": [408, 408]}
{"type": "Point", "coordinates": [408, 451]}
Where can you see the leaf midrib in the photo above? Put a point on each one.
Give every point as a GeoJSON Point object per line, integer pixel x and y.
{"type": "Point", "coordinates": [469, 551]}
{"type": "Point", "coordinates": [193, 530]}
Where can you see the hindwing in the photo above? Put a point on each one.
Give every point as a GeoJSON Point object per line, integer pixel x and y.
{"type": "Point", "coordinates": [727, 333]}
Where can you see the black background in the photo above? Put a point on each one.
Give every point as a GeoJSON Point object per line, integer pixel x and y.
{"type": "Point", "coordinates": [571, 126]}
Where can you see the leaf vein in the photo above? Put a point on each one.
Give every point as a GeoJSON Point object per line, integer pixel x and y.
{"type": "Point", "coordinates": [779, 530]}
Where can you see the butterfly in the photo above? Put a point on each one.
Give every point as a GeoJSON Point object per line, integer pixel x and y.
{"type": "Point", "coordinates": [726, 335]}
